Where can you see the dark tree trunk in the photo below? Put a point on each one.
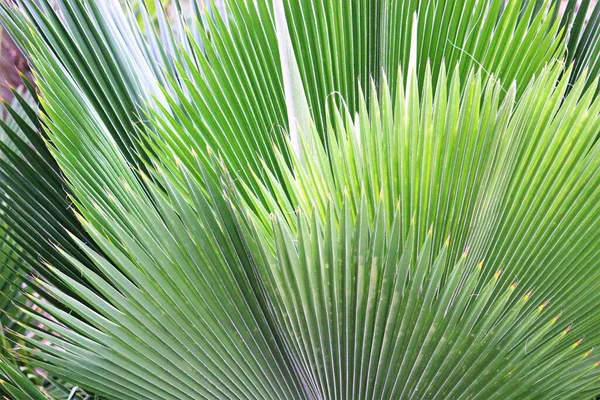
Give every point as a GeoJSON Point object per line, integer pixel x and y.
{"type": "Point", "coordinates": [12, 62]}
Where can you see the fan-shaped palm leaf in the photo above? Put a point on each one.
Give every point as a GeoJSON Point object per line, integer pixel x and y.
{"type": "Point", "coordinates": [419, 233]}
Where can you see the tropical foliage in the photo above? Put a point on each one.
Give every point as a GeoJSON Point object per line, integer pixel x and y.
{"type": "Point", "coordinates": [323, 199]}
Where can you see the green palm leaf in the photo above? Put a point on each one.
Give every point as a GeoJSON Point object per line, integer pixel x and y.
{"type": "Point", "coordinates": [298, 200]}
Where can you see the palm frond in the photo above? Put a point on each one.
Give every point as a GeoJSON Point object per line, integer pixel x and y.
{"type": "Point", "coordinates": [582, 19]}
{"type": "Point", "coordinates": [397, 200]}
{"type": "Point", "coordinates": [349, 247]}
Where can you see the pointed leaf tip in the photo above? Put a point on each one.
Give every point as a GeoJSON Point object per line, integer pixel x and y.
{"type": "Point", "coordinates": [556, 318]}
{"type": "Point", "coordinates": [465, 252]}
